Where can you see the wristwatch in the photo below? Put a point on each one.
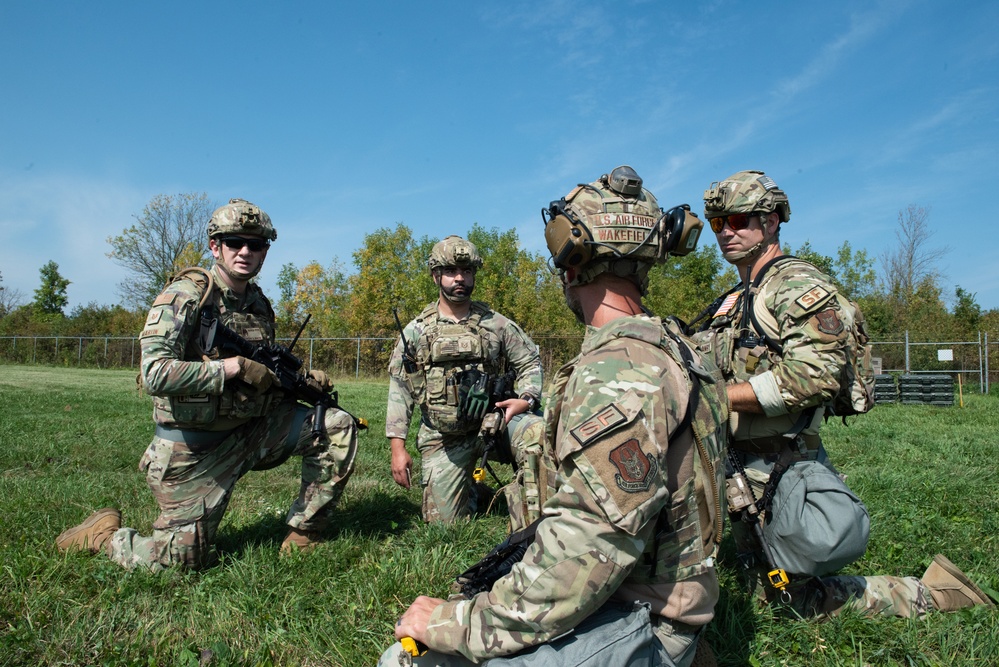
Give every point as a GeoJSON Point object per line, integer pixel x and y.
{"type": "Point", "coordinates": [532, 402]}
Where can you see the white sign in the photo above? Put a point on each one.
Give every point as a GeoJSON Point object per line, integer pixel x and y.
{"type": "Point", "coordinates": [876, 365]}
{"type": "Point", "coordinates": [945, 355]}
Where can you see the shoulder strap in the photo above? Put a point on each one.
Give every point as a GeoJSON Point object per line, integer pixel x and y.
{"type": "Point", "coordinates": [200, 277]}
{"type": "Point", "coordinates": [747, 306]}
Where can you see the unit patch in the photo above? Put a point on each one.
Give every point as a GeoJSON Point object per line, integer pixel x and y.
{"type": "Point", "coordinates": [599, 423]}
{"type": "Point", "coordinates": [726, 305]}
{"type": "Point", "coordinates": [636, 470]}
{"type": "Point", "coordinates": [812, 297]}
{"type": "Point", "coordinates": [828, 322]}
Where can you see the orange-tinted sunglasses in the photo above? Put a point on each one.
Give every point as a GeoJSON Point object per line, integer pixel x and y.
{"type": "Point", "coordinates": [736, 221]}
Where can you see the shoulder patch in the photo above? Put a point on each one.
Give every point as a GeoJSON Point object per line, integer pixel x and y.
{"type": "Point", "coordinates": [812, 297]}
{"type": "Point", "coordinates": [636, 470]}
{"type": "Point", "coordinates": [828, 322]}
{"type": "Point", "coordinates": [165, 299]}
{"type": "Point", "coordinates": [154, 317]}
{"type": "Point", "coordinates": [600, 423]}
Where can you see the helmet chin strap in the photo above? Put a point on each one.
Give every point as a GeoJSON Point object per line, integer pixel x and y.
{"type": "Point", "coordinates": [220, 262]}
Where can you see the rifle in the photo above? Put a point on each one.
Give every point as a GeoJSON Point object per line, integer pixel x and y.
{"type": "Point", "coordinates": [497, 563]}
{"type": "Point", "coordinates": [494, 421]}
{"type": "Point", "coordinates": [743, 506]}
{"type": "Point", "coordinates": [279, 359]}
{"type": "Point", "coordinates": [408, 357]}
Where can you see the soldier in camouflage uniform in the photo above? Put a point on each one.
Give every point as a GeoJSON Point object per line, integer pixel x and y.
{"type": "Point", "coordinates": [453, 340]}
{"type": "Point", "coordinates": [778, 391]}
{"type": "Point", "coordinates": [217, 419]}
{"type": "Point", "coordinates": [621, 568]}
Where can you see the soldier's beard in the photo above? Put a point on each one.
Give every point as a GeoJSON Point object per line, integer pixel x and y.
{"type": "Point", "coordinates": [458, 293]}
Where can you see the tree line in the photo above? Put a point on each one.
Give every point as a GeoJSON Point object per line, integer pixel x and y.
{"type": "Point", "coordinates": [900, 290]}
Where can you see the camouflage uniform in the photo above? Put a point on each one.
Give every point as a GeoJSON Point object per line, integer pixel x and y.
{"type": "Point", "coordinates": [634, 517]}
{"type": "Point", "coordinates": [448, 444]}
{"type": "Point", "coordinates": [798, 306]}
{"type": "Point", "coordinates": [210, 432]}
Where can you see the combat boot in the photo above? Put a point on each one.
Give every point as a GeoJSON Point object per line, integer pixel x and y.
{"type": "Point", "coordinates": [950, 588]}
{"type": "Point", "coordinates": [302, 540]}
{"type": "Point", "coordinates": [93, 534]}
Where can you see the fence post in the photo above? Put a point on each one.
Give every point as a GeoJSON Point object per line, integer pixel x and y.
{"type": "Point", "coordinates": [986, 362]}
{"type": "Point", "coordinates": [312, 342]}
{"type": "Point", "coordinates": [79, 353]}
{"type": "Point", "coordinates": [981, 379]}
{"type": "Point", "coordinates": [131, 358]}
{"type": "Point", "coordinates": [34, 348]}
{"type": "Point", "coordinates": [357, 360]}
{"type": "Point", "coordinates": [907, 367]}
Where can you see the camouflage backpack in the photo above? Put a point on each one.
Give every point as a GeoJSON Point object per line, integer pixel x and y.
{"type": "Point", "coordinates": [856, 381]}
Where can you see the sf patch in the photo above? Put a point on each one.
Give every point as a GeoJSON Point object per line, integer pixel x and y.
{"type": "Point", "coordinates": [828, 322]}
{"type": "Point", "coordinates": [635, 469]}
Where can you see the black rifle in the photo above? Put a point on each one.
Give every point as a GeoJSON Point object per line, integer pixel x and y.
{"type": "Point", "coordinates": [408, 357]}
{"type": "Point", "coordinates": [743, 506]}
{"type": "Point", "coordinates": [497, 563]}
{"type": "Point", "coordinates": [494, 421]}
{"type": "Point", "coordinates": [278, 359]}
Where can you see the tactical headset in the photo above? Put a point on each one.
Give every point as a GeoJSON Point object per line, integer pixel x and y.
{"type": "Point", "coordinates": [572, 245]}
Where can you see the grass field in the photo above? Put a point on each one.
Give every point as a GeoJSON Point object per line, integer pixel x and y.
{"type": "Point", "coordinates": [70, 441]}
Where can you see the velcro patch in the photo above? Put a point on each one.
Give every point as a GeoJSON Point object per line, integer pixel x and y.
{"type": "Point", "coordinates": [726, 305]}
{"type": "Point", "coordinates": [154, 317]}
{"type": "Point", "coordinates": [812, 297]}
{"type": "Point", "coordinates": [165, 299]}
{"type": "Point", "coordinates": [599, 423]}
{"type": "Point", "coordinates": [828, 322]}
{"type": "Point", "coordinates": [636, 469]}
{"type": "Point", "coordinates": [153, 331]}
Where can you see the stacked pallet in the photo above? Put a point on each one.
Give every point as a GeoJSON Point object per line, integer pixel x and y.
{"type": "Point", "coordinates": [885, 390]}
{"type": "Point", "coordinates": [926, 389]}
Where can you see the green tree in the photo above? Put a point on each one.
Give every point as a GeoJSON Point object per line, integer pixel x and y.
{"type": "Point", "coordinates": [167, 236]}
{"type": "Point", "coordinates": [50, 297]}
{"type": "Point", "coordinates": [684, 286]}
{"type": "Point", "coordinates": [854, 272]}
{"type": "Point", "coordinates": [320, 292]}
{"type": "Point", "coordinates": [391, 273]}
{"type": "Point", "coordinates": [809, 254]}
{"type": "Point", "coordinates": [967, 312]}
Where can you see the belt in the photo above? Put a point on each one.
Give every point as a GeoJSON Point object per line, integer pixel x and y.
{"type": "Point", "coordinates": [193, 437]}
{"type": "Point", "coordinates": [774, 444]}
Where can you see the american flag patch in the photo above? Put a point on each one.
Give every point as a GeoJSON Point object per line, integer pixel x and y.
{"type": "Point", "coordinates": [726, 305]}
{"type": "Point", "coordinates": [766, 182]}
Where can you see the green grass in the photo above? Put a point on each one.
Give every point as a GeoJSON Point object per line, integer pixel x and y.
{"type": "Point", "coordinates": [70, 441]}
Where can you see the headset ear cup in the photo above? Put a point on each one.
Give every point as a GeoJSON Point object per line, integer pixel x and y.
{"type": "Point", "coordinates": [682, 229]}
{"type": "Point", "coordinates": [567, 242]}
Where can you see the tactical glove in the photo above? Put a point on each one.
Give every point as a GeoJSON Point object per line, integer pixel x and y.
{"type": "Point", "coordinates": [322, 379]}
{"type": "Point", "coordinates": [255, 374]}
{"type": "Point", "coordinates": [477, 401]}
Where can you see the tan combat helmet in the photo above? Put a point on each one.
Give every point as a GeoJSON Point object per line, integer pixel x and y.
{"type": "Point", "coordinates": [746, 192]}
{"type": "Point", "coordinates": [241, 217]}
{"type": "Point", "coordinates": [614, 225]}
{"type": "Point", "coordinates": [454, 251]}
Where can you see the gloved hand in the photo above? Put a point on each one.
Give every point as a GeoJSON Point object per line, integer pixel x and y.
{"type": "Point", "coordinates": [477, 400]}
{"type": "Point", "coordinates": [255, 374]}
{"type": "Point", "coordinates": [321, 378]}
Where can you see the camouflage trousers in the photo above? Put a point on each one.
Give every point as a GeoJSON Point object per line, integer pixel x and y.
{"type": "Point", "coordinates": [449, 491]}
{"type": "Point", "coordinates": [193, 483]}
{"type": "Point", "coordinates": [616, 634]}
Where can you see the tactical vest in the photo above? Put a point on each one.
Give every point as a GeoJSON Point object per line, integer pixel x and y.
{"type": "Point", "coordinates": [444, 352]}
{"type": "Point", "coordinates": [689, 526]}
{"type": "Point", "coordinates": [237, 403]}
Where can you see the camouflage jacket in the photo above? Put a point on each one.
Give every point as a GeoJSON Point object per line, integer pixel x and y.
{"type": "Point", "coordinates": [627, 520]}
{"type": "Point", "coordinates": [190, 391]}
{"type": "Point", "coordinates": [486, 341]}
{"type": "Point", "coordinates": [797, 307]}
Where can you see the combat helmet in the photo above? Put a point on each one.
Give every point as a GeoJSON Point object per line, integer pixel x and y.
{"type": "Point", "coordinates": [746, 192]}
{"type": "Point", "coordinates": [454, 251]}
{"type": "Point", "coordinates": [615, 225]}
{"type": "Point", "coordinates": [241, 217]}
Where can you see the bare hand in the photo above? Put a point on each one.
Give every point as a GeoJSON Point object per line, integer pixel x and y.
{"type": "Point", "coordinates": [512, 407]}
{"type": "Point", "coordinates": [414, 622]}
{"type": "Point", "coordinates": [402, 463]}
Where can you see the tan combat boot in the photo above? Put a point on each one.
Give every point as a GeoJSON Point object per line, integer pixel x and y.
{"type": "Point", "coordinates": [302, 540]}
{"type": "Point", "coordinates": [950, 588]}
{"type": "Point", "coordinates": [93, 534]}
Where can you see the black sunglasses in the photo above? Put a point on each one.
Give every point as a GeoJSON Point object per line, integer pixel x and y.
{"type": "Point", "coordinates": [237, 243]}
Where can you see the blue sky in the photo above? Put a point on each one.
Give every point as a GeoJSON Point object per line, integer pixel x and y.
{"type": "Point", "coordinates": [341, 118]}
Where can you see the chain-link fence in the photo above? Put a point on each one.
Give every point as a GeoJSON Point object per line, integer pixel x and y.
{"type": "Point", "coordinates": [974, 363]}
